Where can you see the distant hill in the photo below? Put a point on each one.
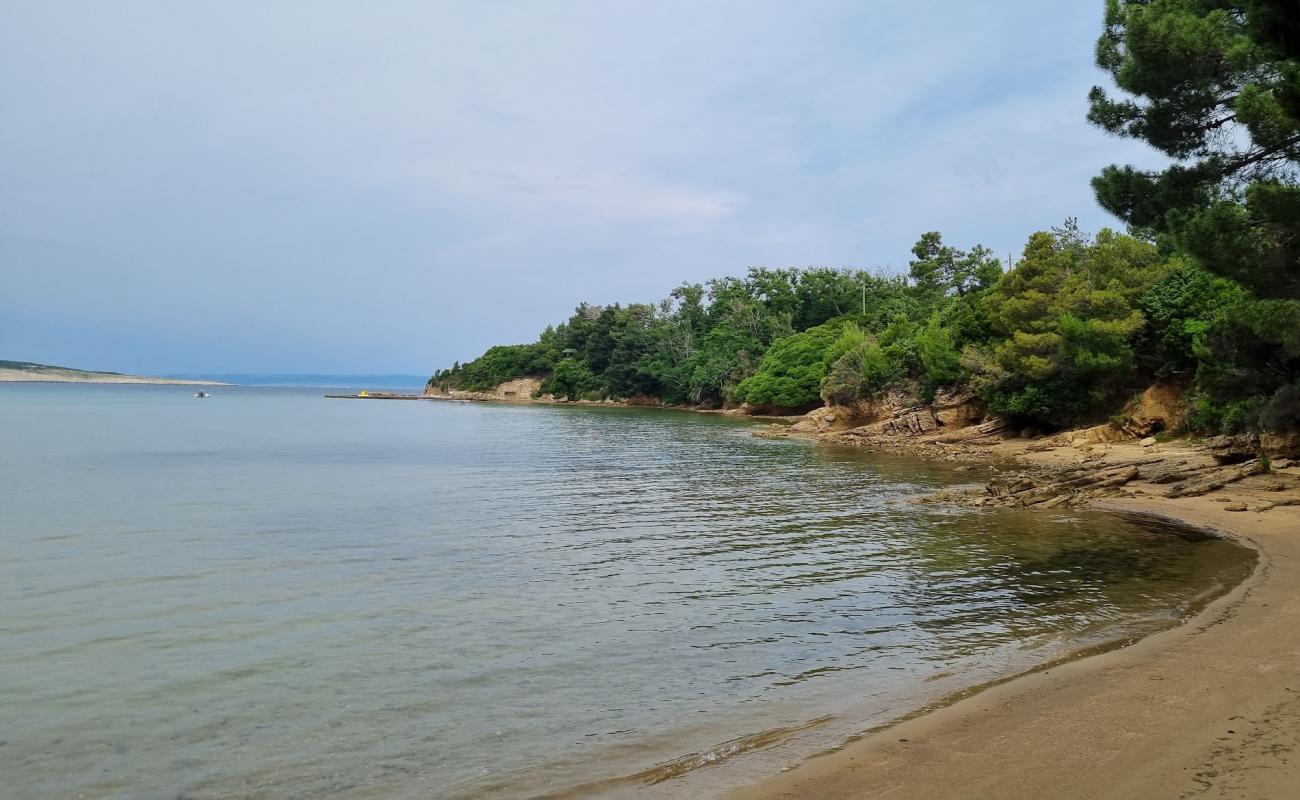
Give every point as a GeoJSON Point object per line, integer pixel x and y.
{"type": "Point", "coordinates": [28, 371]}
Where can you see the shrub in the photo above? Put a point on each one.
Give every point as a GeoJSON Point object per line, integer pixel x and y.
{"type": "Point", "coordinates": [571, 379]}
{"type": "Point", "coordinates": [790, 374]}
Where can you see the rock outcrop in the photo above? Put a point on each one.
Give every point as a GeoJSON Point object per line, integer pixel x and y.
{"type": "Point", "coordinates": [894, 415]}
{"type": "Point", "coordinates": [1280, 445]}
{"type": "Point", "coordinates": [1072, 468]}
{"type": "Point", "coordinates": [828, 419]}
{"type": "Point", "coordinates": [956, 409]}
{"type": "Point", "coordinates": [1072, 486]}
{"type": "Point", "coordinates": [908, 422]}
{"type": "Point", "coordinates": [1245, 446]}
{"type": "Point", "coordinates": [1159, 408]}
{"type": "Point", "coordinates": [989, 431]}
{"type": "Point", "coordinates": [517, 390]}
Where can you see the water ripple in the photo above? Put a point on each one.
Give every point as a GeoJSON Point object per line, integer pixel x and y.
{"type": "Point", "coordinates": [270, 594]}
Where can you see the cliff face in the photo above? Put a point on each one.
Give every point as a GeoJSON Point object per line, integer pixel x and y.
{"type": "Point", "coordinates": [518, 390]}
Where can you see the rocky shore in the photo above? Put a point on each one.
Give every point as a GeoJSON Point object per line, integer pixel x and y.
{"type": "Point", "coordinates": [1021, 468]}
{"type": "Point", "coordinates": [1131, 458]}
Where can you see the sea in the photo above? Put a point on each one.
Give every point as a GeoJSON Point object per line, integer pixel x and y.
{"type": "Point", "coordinates": [266, 593]}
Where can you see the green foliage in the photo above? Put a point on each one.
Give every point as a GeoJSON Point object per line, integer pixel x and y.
{"type": "Point", "coordinates": [846, 378]}
{"type": "Point", "coordinates": [846, 363]}
{"type": "Point", "coordinates": [1182, 307]}
{"type": "Point", "coordinates": [498, 365]}
{"type": "Point", "coordinates": [1216, 86]}
{"type": "Point", "coordinates": [861, 366]}
{"type": "Point", "coordinates": [790, 375]}
{"type": "Point", "coordinates": [1205, 289]}
{"type": "Point", "coordinates": [1248, 355]}
{"type": "Point", "coordinates": [941, 270]}
{"type": "Point", "coordinates": [1282, 412]}
{"type": "Point", "coordinates": [1078, 326]}
{"type": "Point", "coordinates": [698, 345]}
{"type": "Point", "coordinates": [880, 369]}
{"type": "Point", "coordinates": [851, 338]}
{"type": "Point", "coordinates": [572, 379]}
{"type": "Point", "coordinates": [1068, 314]}
{"type": "Point", "coordinates": [936, 349]}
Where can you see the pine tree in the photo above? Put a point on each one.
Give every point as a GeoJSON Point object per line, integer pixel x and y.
{"type": "Point", "coordinates": [1216, 86]}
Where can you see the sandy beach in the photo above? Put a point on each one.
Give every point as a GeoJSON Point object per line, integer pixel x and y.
{"type": "Point", "coordinates": [1207, 709]}
{"type": "Point", "coordinates": [59, 375]}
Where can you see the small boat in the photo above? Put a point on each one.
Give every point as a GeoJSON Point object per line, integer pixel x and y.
{"type": "Point", "coordinates": [201, 394]}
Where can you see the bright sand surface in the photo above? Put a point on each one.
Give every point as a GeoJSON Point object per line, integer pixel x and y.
{"type": "Point", "coordinates": [1208, 709]}
{"type": "Point", "coordinates": [57, 375]}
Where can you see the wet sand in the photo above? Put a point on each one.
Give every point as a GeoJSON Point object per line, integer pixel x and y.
{"type": "Point", "coordinates": [1209, 709]}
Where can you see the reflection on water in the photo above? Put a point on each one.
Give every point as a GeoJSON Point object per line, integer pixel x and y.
{"type": "Point", "coordinates": [271, 594]}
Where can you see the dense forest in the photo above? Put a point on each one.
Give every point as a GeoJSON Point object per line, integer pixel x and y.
{"type": "Point", "coordinates": [1202, 288]}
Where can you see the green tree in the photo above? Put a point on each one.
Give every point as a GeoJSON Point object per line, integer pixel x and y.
{"type": "Point", "coordinates": [791, 372]}
{"type": "Point", "coordinates": [499, 364]}
{"type": "Point", "coordinates": [1068, 314]}
{"type": "Point", "coordinates": [940, 359]}
{"type": "Point", "coordinates": [1182, 308]}
{"type": "Point", "coordinates": [846, 360]}
{"type": "Point", "coordinates": [939, 270]}
{"type": "Point", "coordinates": [571, 379]}
{"type": "Point", "coordinates": [1215, 85]}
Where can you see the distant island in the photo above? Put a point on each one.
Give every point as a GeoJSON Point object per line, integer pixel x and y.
{"type": "Point", "coordinates": [27, 371]}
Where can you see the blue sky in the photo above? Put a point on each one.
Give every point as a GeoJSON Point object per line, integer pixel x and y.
{"type": "Point", "coordinates": [388, 187]}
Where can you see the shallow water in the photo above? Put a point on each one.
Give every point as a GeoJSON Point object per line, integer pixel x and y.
{"type": "Point", "coordinates": [270, 594]}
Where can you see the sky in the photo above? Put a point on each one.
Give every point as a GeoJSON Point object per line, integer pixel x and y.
{"type": "Point", "coordinates": [389, 186]}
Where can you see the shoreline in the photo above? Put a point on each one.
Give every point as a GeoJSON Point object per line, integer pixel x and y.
{"type": "Point", "coordinates": [1210, 707]}
{"type": "Point", "coordinates": [1207, 708]}
{"type": "Point", "coordinates": [688, 778]}
{"type": "Point", "coordinates": [17, 376]}
{"type": "Point", "coordinates": [484, 398]}
{"type": "Point", "coordinates": [1089, 724]}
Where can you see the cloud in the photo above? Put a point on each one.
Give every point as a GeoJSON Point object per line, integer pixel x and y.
{"type": "Point", "coordinates": [587, 191]}
{"type": "Point", "coordinates": [468, 172]}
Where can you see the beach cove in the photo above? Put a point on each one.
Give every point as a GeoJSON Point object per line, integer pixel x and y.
{"type": "Point", "coordinates": [329, 611]}
{"type": "Point", "coordinates": [1208, 709]}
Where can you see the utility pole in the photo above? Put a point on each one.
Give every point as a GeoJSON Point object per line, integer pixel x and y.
{"type": "Point", "coordinates": [864, 297]}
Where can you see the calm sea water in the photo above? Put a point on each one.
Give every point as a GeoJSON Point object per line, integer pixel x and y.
{"type": "Point", "coordinates": [270, 594]}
